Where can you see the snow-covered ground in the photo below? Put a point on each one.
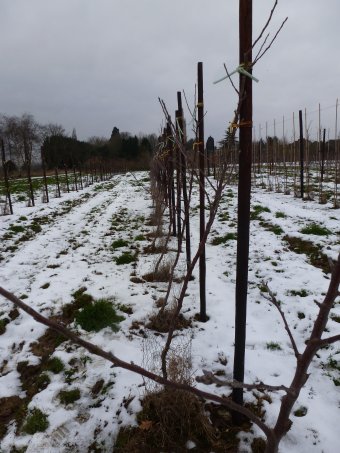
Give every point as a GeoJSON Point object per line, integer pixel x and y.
{"type": "Point", "coordinates": [74, 250]}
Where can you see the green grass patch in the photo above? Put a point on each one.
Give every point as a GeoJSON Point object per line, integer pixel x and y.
{"type": "Point", "coordinates": [316, 257]}
{"type": "Point", "coordinates": [42, 381]}
{"type": "Point", "coordinates": [98, 315]}
{"type": "Point", "coordinates": [257, 210]}
{"type": "Point", "coordinates": [223, 217]}
{"type": "Point", "coordinates": [125, 308]}
{"type": "Point", "coordinates": [69, 396]}
{"type": "Point", "coordinates": [335, 318]}
{"type": "Point", "coordinates": [119, 243]}
{"type": "Point", "coordinates": [223, 239]}
{"type": "Point", "coordinates": [315, 229]}
{"type": "Point", "coordinates": [333, 364]}
{"type": "Point", "coordinates": [55, 365]}
{"type": "Point", "coordinates": [35, 227]}
{"type": "Point", "coordinates": [81, 300]}
{"type": "Point", "coordinates": [280, 215]}
{"type": "Point", "coordinates": [16, 228]}
{"type": "Point", "coordinates": [301, 412]}
{"type": "Point", "coordinates": [276, 229]}
{"type": "Point", "coordinates": [297, 292]}
{"type": "Point", "coordinates": [274, 346]}
{"type": "Point", "coordinates": [125, 258]}
{"type": "Point", "coordinates": [36, 422]}
{"type": "Point", "coordinates": [140, 237]}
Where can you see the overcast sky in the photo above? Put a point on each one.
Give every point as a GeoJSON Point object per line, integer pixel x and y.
{"type": "Point", "coordinates": [96, 64]}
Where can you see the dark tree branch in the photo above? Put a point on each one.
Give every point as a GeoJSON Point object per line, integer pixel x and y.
{"type": "Point", "coordinates": [274, 301]}
{"type": "Point", "coordinates": [329, 340]}
{"type": "Point", "coordinates": [301, 372]}
{"type": "Point", "coordinates": [262, 46]}
{"type": "Point", "coordinates": [209, 378]}
{"type": "Point", "coordinates": [266, 25]}
{"type": "Point", "coordinates": [232, 83]}
{"type": "Point", "coordinates": [131, 366]}
{"type": "Point", "coordinates": [270, 44]}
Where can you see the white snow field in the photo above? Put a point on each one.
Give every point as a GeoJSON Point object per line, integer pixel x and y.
{"type": "Point", "coordinates": [74, 250]}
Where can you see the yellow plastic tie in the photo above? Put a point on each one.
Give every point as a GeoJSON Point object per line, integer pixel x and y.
{"type": "Point", "coordinates": [241, 124]}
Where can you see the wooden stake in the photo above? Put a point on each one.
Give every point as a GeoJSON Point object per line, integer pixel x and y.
{"type": "Point", "coordinates": [200, 118]}
{"type": "Point", "coordinates": [244, 188]}
{"type": "Point", "coordinates": [301, 154]}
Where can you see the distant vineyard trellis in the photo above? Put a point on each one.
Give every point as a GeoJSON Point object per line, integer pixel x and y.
{"type": "Point", "coordinates": [42, 188]}
{"type": "Point", "coordinates": [299, 162]}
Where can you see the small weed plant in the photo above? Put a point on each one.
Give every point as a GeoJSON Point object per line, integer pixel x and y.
{"type": "Point", "coordinates": [55, 365]}
{"type": "Point", "coordinates": [69, 396]}
{"type": "Point", "coordinates": [35, 422]}
{"type": "Point", "coordinates": [301, 411]}
{"type": "Point", "coordinates": [299, 293]}
{"type": "Point", "coordinates": [161, 274]}
{"type": "Point", "coordinates": [119, 243]}
{"type": "Point", "coordinates": [16, 228]}
{"type": "Point", "coordinates": [125, 258]}
{"type": "Point", "coordinates": [223, 239]}
{"type": "Point", "coordinates": [274, 346]}
{"type": "Point", "coordinates": [276, 229]}
{"type": "Point", "coordinates": [257, 210]}
{"type": "Point", "coordinates": [140, 237]}
{"type": "Point", "coordinates": [98, 315]}
{"type": "Point", "coordinates": [315, 229]}
{"type": "Point", "coordinates": [280, 215]}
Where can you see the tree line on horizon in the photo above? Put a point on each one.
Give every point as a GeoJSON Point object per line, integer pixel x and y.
{"type": "Point", "coordinates": [24, 140]}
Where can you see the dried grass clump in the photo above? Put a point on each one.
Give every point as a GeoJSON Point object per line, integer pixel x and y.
{"type": "Point", "coordinates": [161, 273]}
{"type": "Point", "coordinates": [154, 249]}
{"type": "Point", "coordinates": [161, 321]}
{"type": "Point", "coordinates": [168, 420]}
{"type": "Point", "coordinates": [155, 217]}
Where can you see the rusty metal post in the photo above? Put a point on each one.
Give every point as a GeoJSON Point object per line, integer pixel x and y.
{"type": "Point", "coordinates": [43, 163]}
{"type": "Point", "coordinates": [184, 179]}
{"type": "Point", "coordinates": [178, 185]}
{"type": "Point", "coordinates": [179, 159]}
{"type": "Point", "coordinates": [5, 170]}
{"type": "Point", "coordinates": [244, 188]}
{"type": "Point", "coordinates": [323, 152]}
{"type": "Point", "coordinates": [301, 154]}
{"type": "Point", "coordinates": [200, 119]}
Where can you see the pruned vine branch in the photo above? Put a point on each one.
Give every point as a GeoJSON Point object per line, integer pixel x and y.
{"type": "Point", "coordinates": [271, 297]}
{"type": "Point", "coordinates": [209, 378]}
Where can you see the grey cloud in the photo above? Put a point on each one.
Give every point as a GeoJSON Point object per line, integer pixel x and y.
{"type": "Point", "coordinates": [94, 64]}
